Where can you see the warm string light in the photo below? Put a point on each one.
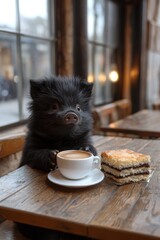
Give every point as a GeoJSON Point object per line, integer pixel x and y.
{"type": "Point", "coordinates": [113, 77]}
{"type": "Point", "coordinates": [102, 77]}
{"type": "Point", "coordinates": [90, 78]}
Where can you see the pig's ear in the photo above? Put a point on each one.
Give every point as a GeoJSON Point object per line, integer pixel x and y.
{"type": "Point", "coordinates": [35, 88]}
{"type": "Point", "coordinates": [86, 88]}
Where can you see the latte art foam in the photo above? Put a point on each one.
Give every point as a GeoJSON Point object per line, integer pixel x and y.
{"type": "Point", "coordinates": [74, 155]}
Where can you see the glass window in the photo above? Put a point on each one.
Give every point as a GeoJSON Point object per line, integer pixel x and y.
{"type": "Point", "coordinates": [35, 58]}
{"type": "Point", "coordinates": [96, 20]}
{"type": "Point", "coordinates": [103, 39]}
{"type": "Point", "coordinates": [36, 63]}
{"type": "Point", "coordinates": [8, 14]}
{"type": "Point", "coordinates": [112, 32]}
{"type": "Point", "coordinates": [34, 20]}
{"type": "Point", "coordinates": [26, 51]}
{"type": "Point", "coordinates": [8, 84]}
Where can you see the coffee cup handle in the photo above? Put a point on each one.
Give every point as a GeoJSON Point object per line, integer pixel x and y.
{"type": "Point", "coordinates": [96, 162]}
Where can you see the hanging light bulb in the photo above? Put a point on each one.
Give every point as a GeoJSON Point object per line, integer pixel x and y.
{"type": "Point", "coordinates": [113, 76]}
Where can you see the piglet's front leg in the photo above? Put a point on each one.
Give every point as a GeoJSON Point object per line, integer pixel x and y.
{"type": "Point", "coordinates": [89, 148]}
{"type": "Point", "coordinates": [43, 159]}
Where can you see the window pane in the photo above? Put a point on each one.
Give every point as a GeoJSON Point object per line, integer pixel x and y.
{"type": "Point", "coordinates": [34, 17]}
{"type": "Point", "coordinates": [103, 22]}
{"type": "Point", "coordinates": [96, 20]}
{"type": "Point", "coordinates": [102, 61]}
{"type": "Point", "coordinates": [36, 58]}
{"type": "Point", "coordinates": [8, 85]}
{"type": "Point", "coordinates": [112, 36]}
{"type": "Point", "coordinates": [8, 14]}
{"type": "Point", "coordinates": [97, 68]}
{"type": "Point", "coordinates": [36, 62]}
{"type": "Point", "coordinates": [33, 58]}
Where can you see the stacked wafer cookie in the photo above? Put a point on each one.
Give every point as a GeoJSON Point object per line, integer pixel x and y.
{"type": "Point", "coordinates": [125, 166]}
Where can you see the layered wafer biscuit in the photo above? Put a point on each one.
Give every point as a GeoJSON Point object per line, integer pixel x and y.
{"type": "Point", "coordinates": [125, 166]}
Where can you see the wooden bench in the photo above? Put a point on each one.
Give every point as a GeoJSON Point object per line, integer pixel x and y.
{"type": "Point", "coordinates": [106, 114]}
{"type": "Point", "coordinates": [156, 105]}
{"type": "Point", "coordinates": [10, 153]}
{"type": "Point", "coordinates": [103, 115]}
{"type": "Point", "coordinates": [123, 108]}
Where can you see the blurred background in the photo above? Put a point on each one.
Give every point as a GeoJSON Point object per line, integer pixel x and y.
{"type": "Point", "coordinates": [115, 44]}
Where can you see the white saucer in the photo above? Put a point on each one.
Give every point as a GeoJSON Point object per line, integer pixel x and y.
{"type": "Point", "coordinates": [93, 178]}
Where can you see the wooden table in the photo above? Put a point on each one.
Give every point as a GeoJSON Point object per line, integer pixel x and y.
{"type": "Point", "coordinates": [103, 211]}
{"type": "Point", "coordinates": [145, 123]}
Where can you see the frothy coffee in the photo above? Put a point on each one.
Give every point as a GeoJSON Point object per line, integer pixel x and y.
{"type": "Point", "coordinates": [74, 155]}
{"type": "Point", "coordinates": [76, 164]}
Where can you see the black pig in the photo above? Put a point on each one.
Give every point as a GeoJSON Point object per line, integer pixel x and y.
{"type": "Point", "coordinates": [60, 119]}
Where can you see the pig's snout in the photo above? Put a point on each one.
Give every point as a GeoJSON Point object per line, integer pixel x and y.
{"type": "Point", "coordinates": [71, 118]}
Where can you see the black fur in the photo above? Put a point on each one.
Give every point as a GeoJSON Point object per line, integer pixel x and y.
{"type": "Point", "coordinates": [48, 131]}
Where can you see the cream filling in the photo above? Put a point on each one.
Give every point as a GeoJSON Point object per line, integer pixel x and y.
{"type": "Point", "coordinates": [126, 163]}
{"type": "Point", "coordinates": [129, 179]}
{"type": "Point", "coordinates": [125, 172]}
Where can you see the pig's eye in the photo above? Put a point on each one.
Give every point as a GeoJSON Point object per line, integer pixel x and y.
{"type": "Point", "coordinates": [78, 108]}
{"type": "Point", "coordinates": [54, 108]}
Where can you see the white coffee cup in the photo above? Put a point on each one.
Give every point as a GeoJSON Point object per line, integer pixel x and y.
{"type": "Point", "coordinates": [77, 164]}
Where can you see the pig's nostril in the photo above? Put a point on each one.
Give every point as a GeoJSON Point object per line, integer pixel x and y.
{"type": "Point", "coordinates": [71, 118]}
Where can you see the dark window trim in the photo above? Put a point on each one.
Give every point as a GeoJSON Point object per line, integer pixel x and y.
{"type": "Point", "coordinates": [138, 57]}
{"type": "Point", "coordinates": [13, 125]}
{"type": "Point", "coordinates": [17, 33]}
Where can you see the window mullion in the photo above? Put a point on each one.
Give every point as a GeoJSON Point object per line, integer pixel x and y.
{"type": "Point", "coordinates": [20, 65]}
{"type": "Point", "coordinates": [50, 5]}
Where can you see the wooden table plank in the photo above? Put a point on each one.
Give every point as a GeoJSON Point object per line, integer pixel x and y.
{"type": "Point", "coordinates": [147, 208]}
{"type": "Point", "coordinates": [124, 215]}
{"type": "Point", "coordinates": [74, 205]}
{"type": "Point", "coordinates": [16, 180]}
{"type": "Point", "coordinates": [102, 211]}
{"type": "Point", "coordinates": [144, 123]}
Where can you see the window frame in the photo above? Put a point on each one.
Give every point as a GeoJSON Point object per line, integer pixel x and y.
{"type": "Point", "coordinates": [94, 43]}
{"type": "Point", "coordinates": [51, 39]}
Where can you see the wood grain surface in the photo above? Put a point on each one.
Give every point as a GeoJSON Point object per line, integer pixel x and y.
{"type": "Point", "coordinates": [144, 123]}
{"type": "Point", "coordinates": [11, 144]}
{"type": "Point", "coordinates": [102, 211]}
